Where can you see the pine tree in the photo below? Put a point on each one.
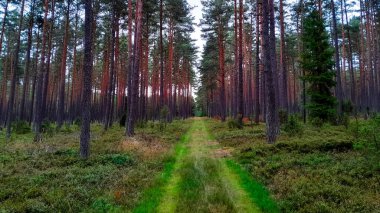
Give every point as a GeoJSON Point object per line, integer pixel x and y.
{"type": "Point", "coordinates": [87, 79]}
{"type": "Point", "coordinates": [316, 60]}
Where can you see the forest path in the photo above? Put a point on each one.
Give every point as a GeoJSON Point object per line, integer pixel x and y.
{"type": "Point", "coordinates": [203, 179]}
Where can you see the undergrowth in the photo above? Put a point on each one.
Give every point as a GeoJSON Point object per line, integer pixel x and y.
{"type": "Point", "coordinates": [50, 177]}
{"type": "Point", "coordinates": [325, 169]}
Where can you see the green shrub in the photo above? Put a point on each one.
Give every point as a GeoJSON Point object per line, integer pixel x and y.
{"type": "Point", "coordinates": [293, 127]}
{"type": "Point", "coordinates": [283, 116]}
{"type": "Point", "coordinates": [77, 122]}
{"type": "Point", "coordinates": [164, 113]}
{"type": "Point", "coordinates": [104, 205]}
{"type": "Point", "coordinates": [317, 122]}
{"type": "Point", "coordinates": [344, 120]}
{"type": "Point", "coordinates": [21, 127]}
{"type": "Point", "coordinates": [234, 124]}
{"type": "Point", "coordinates": [66, 128]}
{"type": "Point", "coordinates": [118, 159]}
{"type": "Point", "coordinates": [373, 133]}
{"type": "Point", "coordinates": [47, 128]}
{"type": "Point", "coordinates": [141, 124]}
{"type": "Point", "coordinates": [347, 107]}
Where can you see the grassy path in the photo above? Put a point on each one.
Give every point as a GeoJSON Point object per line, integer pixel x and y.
{"type": "Point", "coordinates": [203, 180]}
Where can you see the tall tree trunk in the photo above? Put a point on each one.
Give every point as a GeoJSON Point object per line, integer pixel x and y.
{"type": "Point", "coordinates": [3, 25]}
{"type": "Point", "coordinates": [48, 60]}
{"type": "Point", "coordinates": [14, 74]}
{"type": "Point", "coordinates": [110, 90]}
{"type": "Point", "coordinates": [136, 67]}
{"type": "Point", "coordinates": [130, 62]}
{"type": "Point", "coordinates": [338, 88]}
{"type": "Point", "coordinates": [170, 67]}
{"type": "Point", "coordinates": [61, 104]}
{"type": "Point", "coordinates": [241, 86]}
{"type": "Point", "coordinates": [25, 92]}
{"type": "Point", "coordinates": [350, 60]}
{"type": "Point", "coordinates": [258, 61]}
{"type": "Point", "coordinates": [161, 57]}
{"type": "Point", "coordinates": [87, 81]}
{"type": "Point", "coordinates": [235, 72]}
{"type": "Point", "coordinates": [271, 114]}
{"type": "Point", "coordinates": [284, 72]}
{"type": "Point", "coordinates": [35, 71]}
{"type": "Point", "coordinates": [221, 70]}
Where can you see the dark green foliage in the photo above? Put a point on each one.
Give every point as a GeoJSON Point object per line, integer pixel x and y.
{"type": "Point", "coordinates": [347, 107]}
{"type": "Point", "coordinates": [283, 116]}
{"type": "Point", "coordinates": [317, 63]}
{"type": "Point", "coordinates": [292, 127]}
{"type": "Point", "coordinates": [164, 113]}
{"type": "Point", "coordinates": [47, 128]}
{"type": "Point", "coordinates": [104, 205]}
{"type": "Point", "coordinates": [122, 120]}
{"type": "Point", "coordinates": [338, 145]}
{"type": "Point", "coordinates": [141, 123]}
{"type": "Point", "coordinates": [77, 122]}
{"type": "Point", "coordinates": [367, 134]}
{"type": "Point", "coordinates": [317, 122]}
{"type": "Point", "coordinates": [344, 119]}
{"type": "Point", "coordinates": [234, 123]}
{"type": "Point", "coordinates": [118, 159]}
{"type": "Point", "coordinates": [21, 127]}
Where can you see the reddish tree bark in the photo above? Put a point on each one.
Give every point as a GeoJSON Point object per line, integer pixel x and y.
{"type": "Point", "coordinates": [61, 104]}
{"type": "Point", "coordinates": [221, 69]}
{"type": "Point", "coordinates": [136, 67]}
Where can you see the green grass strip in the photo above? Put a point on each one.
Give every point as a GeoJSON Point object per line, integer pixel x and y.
{"type": "Point", "coordinates": [243, 201]}
{"type": "Point", "coordinates": [257, 192]}
{"type": "Point", "coordinates": [152, 197]}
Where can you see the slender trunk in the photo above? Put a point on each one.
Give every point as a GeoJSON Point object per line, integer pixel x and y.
{"type": "Point", "coordinates": [25, 92]}
{"type": "Point", "coordinates": [271, 114]}
{"type": "Point", "coordinates": [161, 57]}
{"type": "Point", "coordinates": [338, 87]}
{"type": "Point", "coordinates": [258, 62]}
{"type": "Point", "coordinates": [87, 80]}
{"type": "Point", "coordinates": [61, 104]}
{"type": "Point", "coordinates": [14, 74]}
{"type": "Point", "coordinates": [110, 90]}
{"type": "Point", "coordinates": [130, 62]}
{"type": "Point", "coordinates": [3, 25]}
{"type": "Point", "coordinates": [48, 60]}
{"type": "Point", "coordinates": [283, 59]}
{"type": "Point", "coordinates": [170, 67]}
{"type": "Point", "coordinates": [136, 66]}
{"type": "Point", "coordinates": [221, 70]}
{"type": "Point", "coordinates": [240, 89]}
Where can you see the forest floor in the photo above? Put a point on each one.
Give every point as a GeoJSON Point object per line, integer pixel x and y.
{"type": "Point", "coordinates": [321, 169]}
{"type": "Point", "coordinates": [204, 179]}
{"type": "Point", "coordinates": [50, 177]}
{"type": "Point", "coordinates": [194, 165]}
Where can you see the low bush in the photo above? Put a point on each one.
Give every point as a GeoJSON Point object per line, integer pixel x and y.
{"type": "Point", "coordinates": [234, 123]}
{"type": "Point", "coordinates": [21, 127]}
{"type": "Point", "coordinates": [47, 128]}
{"type": "Point", "coordinates": [316, 122]}
{"type": "Point", "coordinates": [283, 116]}
{"type": "Point", "coordinates": [326, 169]}
{"type": "Point", "coordinates": [293, 127]}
